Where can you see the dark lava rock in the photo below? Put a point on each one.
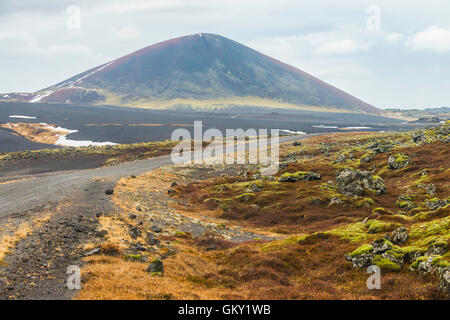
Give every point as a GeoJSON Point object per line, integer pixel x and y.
{"type": "Point", "coordinates": [354, 182]}
{"type": "Point", "coordinates": [299, 176]}
{"type": "Point", "coordinates": [156, 268]}
{"type": "Point", "coordinates": [101, 233]}
{"type": "Point", "coordinates": [398, 161]}
{"type": "Point", "coordinates": [156, 229]}
{"type": "Point", "coordinates": [399, 235]}
{"type": "Point", "coordinates": [134, 232]}
{"type": "Point", "coordinates": [93, 252]}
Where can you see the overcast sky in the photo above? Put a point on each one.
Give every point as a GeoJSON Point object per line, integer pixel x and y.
{"type": "Point", "coordinates": [387, 53]}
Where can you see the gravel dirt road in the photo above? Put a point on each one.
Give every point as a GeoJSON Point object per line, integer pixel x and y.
{"type": "Point", "coordinates": [35, 191]}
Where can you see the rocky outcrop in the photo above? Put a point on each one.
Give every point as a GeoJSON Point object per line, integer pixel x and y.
{"type": "Point", "coordinates": [379, 147]}
{"type": "Point", "coordinates": [156, 268]}
{"type": "Point", "coordinates": [341, 159]}
{"type": "Point", "coordinates": [336, 201]}
{"type": "Point", "coordinates": [405, 202]}
{"type": "Point", "coordinates": [398, 161]}
{"type": "Point", "coordinates": [435, 203]}
{"type": "Point", "coordinates": [444, 284]}
{"type": "Point", "coordinates": [299, 176]}
{"type": "Point", "coordinates": [381, 245]}
{"type": "Point", "coordinates": [355, 182]}
{"type": "Point", "coordinates": [361, 257]}
{"type": "Point", "coordinates": [381, 253]}
{"type": "Point", "coordinates": [436, 265]}
{"type": "Point", "coordinates": [399, 235]}
{"type": "Point", "coordinates": [418, 137]}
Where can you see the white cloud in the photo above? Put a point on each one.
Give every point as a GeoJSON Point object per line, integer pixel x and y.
{"type": "Point", "coordinates": [70, 49]}
{"type": "Point", "coordinates": [21, 43]}
{"type": "Point", "coordinates": [394, 37]}
{"type": "Point", "coordinates": [138, 6]}
{"type": "Point", "coordinates": [345, 46]}
{"type": "Point", "coordinates": [128, 33]}
{"type": "Point", "coordinates": [433, 38]}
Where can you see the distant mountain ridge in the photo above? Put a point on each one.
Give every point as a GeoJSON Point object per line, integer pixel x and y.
{"type": "Point", "coordinates": [203, 71]}
{"type": "Point", "coordinates": [420, 115]}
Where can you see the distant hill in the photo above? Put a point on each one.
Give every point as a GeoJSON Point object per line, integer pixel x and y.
{"type": "Point", "coordinates": [201, 71]}
{"type": "Point", "coordinates": [421, 115]}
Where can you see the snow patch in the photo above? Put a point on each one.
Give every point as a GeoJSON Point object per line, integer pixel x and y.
{"type": "Point", "coordinates": [325, 127]}
{"type": "Point", "coordinates": [40, 97]}
{"type": "Point", "coordinates": [63, 141]}
{"type": "Point", "coordinates": [90, 74]}
{"type": "Point", "coordinates": [21, 117]}
{"type": "Point", "coordinates": [351, 128]}
{"type": "Point", "coordinates": [293, 132]}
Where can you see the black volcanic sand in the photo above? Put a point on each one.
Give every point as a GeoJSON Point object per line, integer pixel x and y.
{"type": "Point", "coordinates": [36, 267]}
{"type": "Point", "coordinates": [77, 117]}
{"type": "Point", "coordinates": [22, 168]}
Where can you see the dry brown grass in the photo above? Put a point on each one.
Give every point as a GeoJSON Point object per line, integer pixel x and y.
{"type": "Point", "coordinates": [296, 270]}
{"type": "Point", "coordinates": [9, 241]}
{"type": "Point", "coordinates": [302, 266]}
{"type": "Point", "coordinates": [303, 206]}
{"type": "Point", "coordinates": [13, 234]}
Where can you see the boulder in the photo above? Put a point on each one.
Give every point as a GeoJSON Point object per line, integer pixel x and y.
{"type": "Point", "coordinates": [361, 257]}
{"type": "Point", "coordinates": [444, 284]}
{"type": "Point", "coordinates": [299, 176]}
{"type": "Point", "coordinates": [430, 189]}
{"type": "Point", "coordinates": [398, 161]}
{"type": "Point", "coordinates": [156, 268]}
{"type": "Point", "coordinates": [435, 203]}
{"type": "Point", "coordinates": [156, 229]}
{"type": "Point", "coordinates": [438, 248]}
{"type": "Point", "coordinates": [418, 137]}
{"type": "Point", "coordinates": [101, 233]}
{"type": "Point", "coordinates": [336, 201]}
{"type": "Point", "coordinates": [134, 232]}
{"type": "Point", "coordinates": [341, 159]}
{"type": "Point", "coordinates": [367, 157]}
{"type": "Point", "coordinates": [379, 147]}
{"type": "Point", "coordinates": [150, 239]}
{"type": "Point", "coordinates": [381, 245]}
{"type": "Point", "coordinates": [93, 252]}
{"type": "Point", "coordinates": [352, 182]}
{"type": "Point", "coordinates": [394, 255]}
{"type": "Point", "coordinates": [399, 235]}
{"type": "Point", "coordinates": [405, 202]}
{"type": "Point", "coordinates": [255, 188]}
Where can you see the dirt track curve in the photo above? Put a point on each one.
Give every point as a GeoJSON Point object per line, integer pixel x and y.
{"type": "Point", "coordinates": [21, 196]}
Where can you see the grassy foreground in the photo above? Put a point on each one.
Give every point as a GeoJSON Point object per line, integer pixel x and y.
{"type": "Point", "coordinates": [319, 229]}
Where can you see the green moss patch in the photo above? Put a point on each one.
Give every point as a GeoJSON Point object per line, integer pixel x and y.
{"type": "Point", "coordinates": [376, 226]}
{"type": "Point", "coordinates": [385, 264]}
